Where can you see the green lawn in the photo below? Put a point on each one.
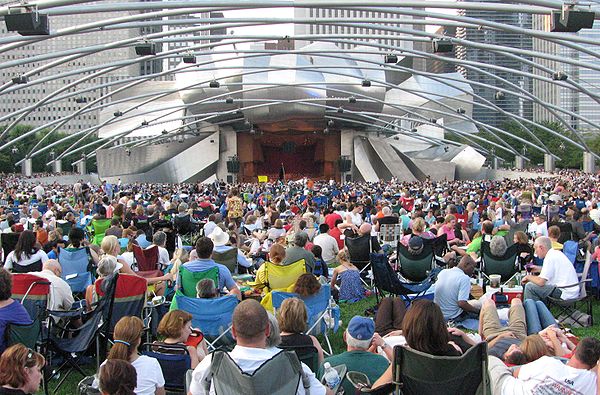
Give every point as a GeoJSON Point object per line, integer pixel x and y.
{"type": "Point", "coordinates": [347, 312]}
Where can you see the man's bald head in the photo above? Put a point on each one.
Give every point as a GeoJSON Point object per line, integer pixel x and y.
{"type": "Point", "coordinates": [365, 229]}
{"type": "Point", "coordinates": [53, 265]}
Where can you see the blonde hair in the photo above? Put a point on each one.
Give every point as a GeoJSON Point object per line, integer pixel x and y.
{"type": "Point", "coordinates": [534, 347]}
{"type": "Point", "coordinates": [418, 224]}
{"type": "Point", "coordinates": [292, 316]}
{"type": "Point", "coordinates": [110, 244]}
{"type": "Point", "coordinates": [180, 256]}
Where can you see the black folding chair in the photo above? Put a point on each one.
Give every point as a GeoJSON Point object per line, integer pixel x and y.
{"type": "Point", "coordinates": [174, 361]}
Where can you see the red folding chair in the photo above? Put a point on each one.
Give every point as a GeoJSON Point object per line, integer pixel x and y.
{"type": "Point", "coordinates": [147, 261]}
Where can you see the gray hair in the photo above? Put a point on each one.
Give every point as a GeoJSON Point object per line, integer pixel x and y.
{"type": "Point", "coordinates": [300, 239]}
{"type": "Point", "coordinates": [183, 207]}
{"type": "Point", "coordinates": [206, 288]}
{"type": "Point", "coordinates": [386, 211]}
{"type": "Point", "coordinates": [274, 338]}
{"type": "Point", "coordinates": [498, 246]}
{"type": "Point", "coordinates": [107, 265]}
{"type": "Point", "coordinates": [159, 238]}
{"type": "Point", "coordinates": [545, 242]}
{"type": "Point", "coordinates": [355, 343]}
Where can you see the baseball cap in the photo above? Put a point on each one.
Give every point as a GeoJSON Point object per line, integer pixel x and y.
{"type": "Point", "coordinates": [361, 328]}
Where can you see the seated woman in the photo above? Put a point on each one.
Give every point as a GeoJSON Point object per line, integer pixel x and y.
{"type": "Point", "coordinates": [127, 338]}
{"type": "Point", "coordinates": [77, 240]}
{"type": "Point", "coordinates": [176, 327]}
{"type": "Point", "coordinates": [27, 256]}
{"type": "Point", "coordinates": [307, 285]}
{"type": "Point", "coordinates": [20, 371]}
{"type": "Point", "coordinates": [448, 229]}
{"type": "Point", "coordinates": [11, 311]}
{"type": "Point", "coordinates": [425, 330]}
{"type": "Point", "coordinates": [418, 226]}
{"type": "Point", "coordinates": [524, 250]}
{"type": "Point", "coordinates": [292, 318]}
{"type": "Point", "coordinates": [107, 266]}
{"type": "Point", "coordinates": [117, 377]}
{"type": "Point", "coordinates": [351, 288]}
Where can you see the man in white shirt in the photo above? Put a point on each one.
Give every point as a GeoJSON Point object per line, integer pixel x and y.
{"type": "Point", "coordinates": [250, 329]}
{"type": "Point", "coordinates": [61, 297]}
{"type": "Point", "coordinates": [549, 375]}
{"type": "Point", "coordinates": [557, 271]}
{"type": "Point", "coordinates": [327, 243]}
{"type": "Point", "coordinates": [160, 240]}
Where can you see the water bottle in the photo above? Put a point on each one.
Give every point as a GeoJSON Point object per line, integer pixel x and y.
{"type": "Point", "coordinates": [331, 376]}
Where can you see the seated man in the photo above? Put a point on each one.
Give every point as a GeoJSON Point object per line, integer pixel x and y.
{"type": "Point", "coordinates": [297, 252]}
{"type": "Point", "coordinates": [60, 297]}
{"type": "Point", "coordinates": [204, 249]}
{"type": "Point", "coordinates": [220, 239]}
{"type": "Point", "coordinates": [358, 337]}
{"type": "Point", "coordinates": [549, 375]}
{"type": "Point", "coordinates": [250, 329]}
{"type": "Point", "coordinates": [355, 247]}
{"type": "Point", "coordinates": [160, 240]}
{"type": "Point", "coordinates": [452, 290]}
{"type": "Point", "coordinates": [502, 340]}
{"type": "Point", "coordinates": [557, 271]}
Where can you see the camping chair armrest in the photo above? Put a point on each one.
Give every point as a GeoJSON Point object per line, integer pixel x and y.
{"type": "Point", "coordinates": [576, 284]}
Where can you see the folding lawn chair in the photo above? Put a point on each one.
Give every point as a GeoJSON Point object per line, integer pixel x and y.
{"type": "Point", "coordinates": [390, 234]}
{"type": "Point", "coordinates": [76, 268]}
{"type": "Point", "coordinates": [174, 361]}
{"type": "Point", "coordinates": [212, 316]}
{"type": "Point", "coordinates": [309, 355]}
{"type": "Point", "coordinates": [507, 266]}
{"type": "Point", "coordinates": [415, 267]}
{"type": "Point", "coordinates": [146, 261]}
{"type": "Point", "coordinates": [189, 279]}
{"type": "Point", "coordinates": [32, 292]}
{"type": "Point", "coordinates": [319, 308]}
{"type": "Point", "coordinates": [97, 229]}
{"type": "Point", "coordinates": [417, 373]}
{"type": "Point", "coordinates": [227, 258]}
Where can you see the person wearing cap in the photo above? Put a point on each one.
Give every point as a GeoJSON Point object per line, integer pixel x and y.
{"type": "Point", "coordinates": [204, 249]}
{"type": "Point", "coordinates": [220, 240]}
{"type": "Point", "coordinates": [358, 337]}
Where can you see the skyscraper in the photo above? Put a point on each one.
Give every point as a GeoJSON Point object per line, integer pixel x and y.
{"type": "Point", "coordinates": [482, 35]}
{"type": "Point", "coordinates": [395, 40]}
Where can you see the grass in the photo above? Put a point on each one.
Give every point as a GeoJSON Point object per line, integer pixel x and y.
{"type": "Point", "coordinates": [348, 310]}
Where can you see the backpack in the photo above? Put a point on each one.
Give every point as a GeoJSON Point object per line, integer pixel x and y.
{"type": "Point", "coordinates": [280, 375]}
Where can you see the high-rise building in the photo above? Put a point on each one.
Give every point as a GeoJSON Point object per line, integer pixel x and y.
{"type": "Point", "coordinates": [568, 97]}
{"type": "Point", "coordinates": [495, 78]}
{"type": "Point", "coordinates": [19, 96]}
{"type": "Point", "coordinates": [392, 39]}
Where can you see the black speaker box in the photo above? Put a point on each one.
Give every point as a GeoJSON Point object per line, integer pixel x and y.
{"type": "Point", "coordinates": [233, 166]}
{"type": "Point", "coordinates": [144, 49]}
{"type": "Point", "coordinates": [572, 22]}
{"type": "Point", "coordinates": [28, 23]}
{"type": "Point", "coordinates": [442, 45]}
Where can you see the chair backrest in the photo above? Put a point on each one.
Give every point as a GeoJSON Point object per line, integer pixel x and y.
{"type": "Point", "coordinates": [146, 259]}
{"type": "Point", "coordinates": [281, 277]}
{"type": "Point", "coordinates": [386, 280]}
{"type": "Point", "coordinates": [570, 248]}
{"type": "Point", "coordinates": [189, 279]}
{"type": "Point", "coordinates": [174, 362]}
{"type": "Point", "coordinates": [183, 224]}
{"type": "Point", "coordinates": [439, 244]}
{"type": "Point", "coordinates": [359, 250]}
{"type": "Point", "coordinates": [316, 304]}
{"type": "Point", "coordinates": [421, 373]}
{"type": "Point", "coordinates": [75, 263]}
{"type": "Point", "coordinates": [390, 233]}
{"type": "Point", "coordinates": [9, 242]}
{"type": "Point", "coordinates": [566, 231]}
{"type": "Point", "coordinates": [415, 267]}
{"type": "Point", "coordinates": [128, 299]}
{"type": "Point", "coordinates": [588, 226]}
{"type": "Point", "coordinates": [32, 291]}
{"type": "Point", "coordinates": [308, 355]}
{"type": "Point", "coordinates": [64, 226]}
{"type": "Point", "coordinates": [506, 266]}
{"type": "Point", "coordinates": [212, 316]}
{"type": "Point", "coordinates": [227, 258]}
{"type": "Point", "coordinates": [99, 227]}
{"type": "Point", "coordinates": [462, 219]}
{"type": "Point", "coordinates": [281, 375]}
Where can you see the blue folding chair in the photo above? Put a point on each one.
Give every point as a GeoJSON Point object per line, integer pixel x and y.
{"type": "Point", "coordinates": [75, 263]}
{"type": "Point", "coordinates": [212, 316]}
{"type": "Point", "coordinates": [318, 307]}
{"type": "Point", "coordinates": [174, 362]}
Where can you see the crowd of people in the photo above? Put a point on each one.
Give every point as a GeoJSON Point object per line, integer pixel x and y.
{"type": "Point", "coordinates": [317, 233]}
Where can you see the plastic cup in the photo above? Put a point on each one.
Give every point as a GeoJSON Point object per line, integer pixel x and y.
{"type": "Point", "coordinates": [495, 280]}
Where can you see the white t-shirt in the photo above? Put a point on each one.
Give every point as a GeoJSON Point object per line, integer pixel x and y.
{"type": "Point", "coordinates": [559, 271]}
{"type": "Point", "coordinates": [248, 359]}
{"type": "Point", "coordinates": [11, 259]}
{"type": "Point", "coordinates": [149, 375]}
{"type": "Point", "coordinates": [549, 376]}
{"type": "Point", "coordinates": [329, 246]}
